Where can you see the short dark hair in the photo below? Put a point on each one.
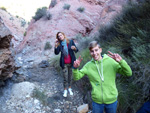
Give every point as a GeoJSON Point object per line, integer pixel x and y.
{"type": "Point", "coordinates": [93, 44]}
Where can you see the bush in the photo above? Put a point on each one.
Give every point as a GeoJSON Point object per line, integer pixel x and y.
{"type": "Point", "coordinates": [47, 46]}
{"type": "Point", "coordinates": [53, 3]}
{"type": "Point", "coordinates": [81, 9]}
{"type": "Point", "coordinates": [40, 13]}
{"type": "Point", "coordinates": [83, 41]}
{"type": "Point", "coordinates": [66, 6]}
{"type": "Point", "coordinates": [55, 63]}
{"type": "Point", "coordinates": [25, 33]}
{"type": "Point", "coordinates": [3, 8]}
{"type": "Point", "coordinates": [23, 23]}
{"type": "Point", "coordinates": [40, 95]}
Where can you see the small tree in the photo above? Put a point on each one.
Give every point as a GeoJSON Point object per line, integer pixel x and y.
{"type": "Point", "coordinates": [3, 8]}
{"type": "Point", "coordinates": [53, 3]}
{"type": "Point", "coordinates": [81, 9]}
{"type": "Point", "coordinates": [25, 33]}
{"type": "Point", "coordinates": [66, 6]}
{"type": "Point", "coordinates": [47, 46]}
{"type": "Point", "coordinates": [40, 13]}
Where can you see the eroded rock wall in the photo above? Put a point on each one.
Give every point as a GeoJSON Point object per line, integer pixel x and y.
{"type": "Point", "coordinates": [7, 66]}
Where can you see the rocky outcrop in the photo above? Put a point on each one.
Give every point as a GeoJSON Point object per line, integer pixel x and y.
{"type": "Point", "coordinates": [16, 25]}
{"type": "Point", "coordinates": [6, 60]}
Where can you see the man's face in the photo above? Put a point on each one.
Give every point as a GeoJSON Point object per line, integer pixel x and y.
{"type": "Point", "coordinates": [61, 36]}
{"type": "Point", "coordinates": [96, 52]}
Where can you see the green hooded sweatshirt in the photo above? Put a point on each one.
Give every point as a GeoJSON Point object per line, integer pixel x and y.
{"type": "Point", "coordinates": [103, 92]}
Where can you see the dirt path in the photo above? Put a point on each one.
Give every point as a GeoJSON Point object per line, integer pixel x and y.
{"type": "Point", "coordinates": [52, 83]}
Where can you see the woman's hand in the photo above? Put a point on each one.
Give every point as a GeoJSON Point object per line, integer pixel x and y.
{"type": "Point", "coordinates": [77, 62]}
{"type": "Point", "coordinates": [115, 56]}
{"type": "Point", "coordinates": [73, 47]}
{"type": "Point", "coordinates": [56, 42]}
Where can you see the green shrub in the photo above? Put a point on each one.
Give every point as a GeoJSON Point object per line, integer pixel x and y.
{"type": "Point", "coordinates": [40, 95]}
{"type": "Point", "coordinates": [41, 12]}
{"type": "Point", "coordinates": [53, 3]}
{"type": "Point", "coordinates": [81, 9]}
{"type": "Point", "coordinates": [47, 46]}
{"type": "Point", "coordinates": [3, 8]}
{"type": "Point", "coordinates": [55, 63]}
{"type": "Point", "coordinates": [23, 23]}
{"type": "Point", "coordinates": [83, 41]}
{"type": "Point", "coordinates": [66, 6]}
{"type": "Point", "coordinates": [25, 33]}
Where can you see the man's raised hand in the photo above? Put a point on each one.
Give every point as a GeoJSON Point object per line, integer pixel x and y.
{"type": "Point", "coordinates": [115, 56]}
{"type": "Point", "coordinates": [77, 62]}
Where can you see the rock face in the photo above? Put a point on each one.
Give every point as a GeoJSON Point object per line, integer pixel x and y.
{"type": "Point", "coordinates": [72, 22]}
{"type": "Point", "coordinates": [6, 60]}
{"type": "Point", "coordinates": [16, 25]}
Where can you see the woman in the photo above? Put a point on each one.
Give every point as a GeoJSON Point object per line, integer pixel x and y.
{"type": "Point", "coordinates": [67, 48]}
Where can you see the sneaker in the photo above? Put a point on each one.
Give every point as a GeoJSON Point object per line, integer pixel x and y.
{"type": "Point", "coordinates": [70, 91]}
{"type": "Point", "coordinates": [65, 93]}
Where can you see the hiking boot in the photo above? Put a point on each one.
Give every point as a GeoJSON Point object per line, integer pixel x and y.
{"type": "Point", "coordinates": [70, 91]}
{"type": "Point", "coordinates": [65, 93]}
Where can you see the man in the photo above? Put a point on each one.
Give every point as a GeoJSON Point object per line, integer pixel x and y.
{"type": "Point", "coordinates": [101, 71]}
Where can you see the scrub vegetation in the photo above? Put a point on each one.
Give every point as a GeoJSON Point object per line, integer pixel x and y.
{"type": "Point", "coordinates": [42, 12]}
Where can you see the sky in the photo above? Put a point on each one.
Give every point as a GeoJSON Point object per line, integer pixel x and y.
{"type": "Point", "coordinates": [24, 8]}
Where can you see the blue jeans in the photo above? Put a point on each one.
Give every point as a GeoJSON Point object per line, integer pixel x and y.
{"type": "Point", "coordinates": [109, 108]}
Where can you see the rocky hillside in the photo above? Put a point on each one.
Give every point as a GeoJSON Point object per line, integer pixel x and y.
{"type": "Point", "coordinates": [83, 17]}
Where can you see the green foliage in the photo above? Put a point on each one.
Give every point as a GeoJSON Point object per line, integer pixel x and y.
{"type": "Point", "coordinates": [53, 3]}
{"type": "Point", "coordinates": [126, 26]}
{"type": "Point", "coordinates": [66, 6]}
{"type": "Point", "coordinates": [3, 8]}
{"type": "Point", "coordinates": [40, 95]}
{"type": "Point", "coordinates": [81, 9]}
{"type": "Point", "coordinates": [41, 12]}
{"type": "Point", "coordinates": [141, 47]}
{"type": "Point", "coordinates": [55, 63]}
{"type": "Point", "coordinates": [25, 33]}
{"type": "Point", "coordinates": [85, 54]}
{"type": "Point", "coordinates": [23, 23]}
{"type": "Point", "coordinates": [47, 46]}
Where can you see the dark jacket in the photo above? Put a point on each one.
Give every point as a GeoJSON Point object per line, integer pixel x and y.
{"type": "Point", "coordinates": [70, 51]}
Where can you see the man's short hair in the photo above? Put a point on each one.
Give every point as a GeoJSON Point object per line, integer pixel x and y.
{"type": "Point", "coordinates": [93, 44]}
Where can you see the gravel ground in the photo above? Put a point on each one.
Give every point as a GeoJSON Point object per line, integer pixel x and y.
{"type": "Point", "coordinates": [47, 98]}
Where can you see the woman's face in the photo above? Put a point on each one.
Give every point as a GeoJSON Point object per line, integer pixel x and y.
{"type": "Point", "coordinates": [61, 37]}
